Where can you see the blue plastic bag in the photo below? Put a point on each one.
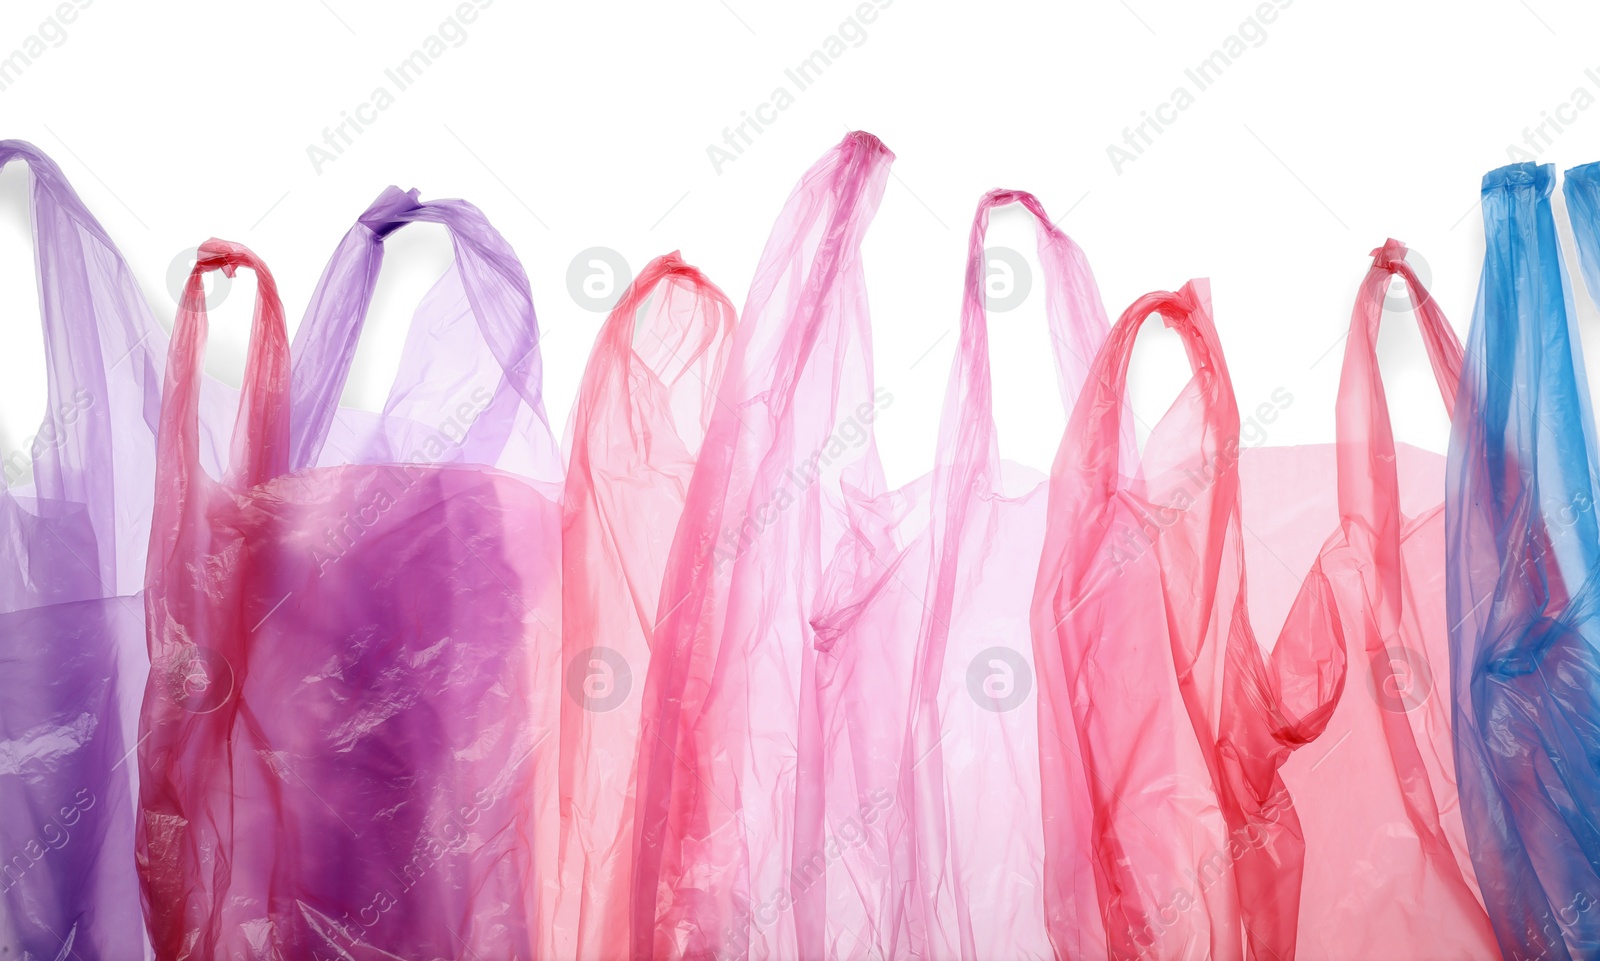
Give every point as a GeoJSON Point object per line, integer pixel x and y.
{"type": "Point", "coordinates": [1523, 558]}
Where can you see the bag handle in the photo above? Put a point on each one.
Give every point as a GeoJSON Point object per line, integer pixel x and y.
{"type": "Point", "coordinates": [1369, 500]}
{"type": "Point", "coordinates": [494, 282]}
{"type": "Point", "coordinates": [260, 450]}
{"type": "Point", "coordinates": [1581, 188]}
{"type": "Point", "coordinates": [49, 181]}
{"type": "Point", "coordinates": [1074, 312]}
{"type": "Point", "coordinates": [64, 468]}
{"type": "Point", "coordinates": [615, 344]}
{"type": "Point", "coordinates": [1091, 442]}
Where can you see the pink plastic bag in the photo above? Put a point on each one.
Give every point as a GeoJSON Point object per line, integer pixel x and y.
{"type": "Point", "coordinates": [721, 745]}
{"type": "Point", "coordinates": [926, 811]}
{"type": "Point", "coordinates": [643, 408]}
{"type": "Point", "coordinates": [1169, 831]}
{"type": "Point", "coordinates": [1387, 868]}
{"type": "Point", "coordinates": [337, 733]}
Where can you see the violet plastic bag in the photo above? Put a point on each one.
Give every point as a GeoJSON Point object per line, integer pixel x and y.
{"type": "Point", "coordinates": [925, 811]}
{"type": "Point", "coordinates": [74, 518]}
{"type": "Point", "coordinates": [351, 777]}
{"type": "Point", "coordinates": [1169, 831]}
{"type": "Point", "coordinates": [1387, 872]}
{"type": "Point", "coordinates": [722, 743]}
{"type": "Point", "coordinates": [643, 408]}
{"type": "Point", "coordinates": [468, 391]}
{"type": "Point", "coordinates": [1523, 554]}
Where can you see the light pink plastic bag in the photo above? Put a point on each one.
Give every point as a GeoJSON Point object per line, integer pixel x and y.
{"type": "Point", "coordinates": [1163, 725]}
{"type": "Point", "coordinates": [643, 408]}
{"type": "Point", "coordinates": [1387, 869]}
{"type": "Point", "coordinates": [722, 744]}
{"type": "Point", "coordinates": [926, 813]}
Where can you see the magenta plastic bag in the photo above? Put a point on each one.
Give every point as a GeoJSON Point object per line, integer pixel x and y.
{"type": "Point", "coordinates": [74, 520]}
{"type": "Point", "coordinates": [928, 787]}
{"type": "Point", "coordinates": [643, 408]}
{"type": "Point", "coordinates": [725, 736]}
{"type": "Point", "coordinates": [1378, 788]}
{"type": "Point", "coordinates": [340, 726]}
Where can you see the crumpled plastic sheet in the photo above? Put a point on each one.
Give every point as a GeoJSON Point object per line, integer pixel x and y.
{"type": "Point", "coordinates": [925, 837]}
{"type": "Point", "coordinates": [723, 742]}
{"type": "Point", "coordinates": [408, 610]}
{"type": "Point", "coordinates": [643, 409]}
{"type": "Point", "coordinates": [1523, 553]}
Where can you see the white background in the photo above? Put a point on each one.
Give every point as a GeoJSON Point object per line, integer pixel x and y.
{"type": "Point", "coordinates": [581, 125]}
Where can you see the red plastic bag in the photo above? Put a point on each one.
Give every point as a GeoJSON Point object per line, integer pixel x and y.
{"type": "Point", "coordinates": [1387, 870]}
{"type": "Point", "coordinates": [642, 412]}
{"type": "Point", "coordinates": [721, 748]}
{"type": "Point", "coordinates": [337, 734]}
{"type": "Point", "coordinates": [926, 808]}
{"type": "Point", "coordinates": [1169, 831]}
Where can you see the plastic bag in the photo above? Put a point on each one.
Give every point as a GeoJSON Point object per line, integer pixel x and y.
{"type": "Point", "coordinates": [721, 746]}
{"type": "Point", "coordinates": [1169, 831]}
{"type": "Point", "coordinates": [1379, 788]}
{"type": "Point", "coordinates": [74, 521]}
{"type": "Point", "coordinates": [925, 813]}
{"type": "Point", "coordinates": [643, 408]}
{"type": "Point", "coordinates": [1523, 553]}
{"type": "Point", "coordinates": [340, 715]}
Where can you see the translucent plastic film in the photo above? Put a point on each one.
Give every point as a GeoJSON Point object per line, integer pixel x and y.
{"type": "Point", "coordinates": [392, 811]}
{"type": "Point", "coordinates": [924, 816]}
{"type": "Point", "coordinates": [1169, 830]}
{"type": "Point", "coordinates": [1378, 786]}
{"type": "Point", "coordinates": [643, 408]}
{"type": "Point", "coordinates": [74, 522]}
{"type": "Point", "coordinates": [1522, 560]}
{"type": "Point", "coordinates": [722, 747]}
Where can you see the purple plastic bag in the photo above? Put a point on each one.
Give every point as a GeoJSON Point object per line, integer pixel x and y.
{"type": "Point", "coordinates": [373, 633]}
{"type": "Point", "coordinates": [468, 391]}
{"type": "Point", "coordinates": [72, 663]}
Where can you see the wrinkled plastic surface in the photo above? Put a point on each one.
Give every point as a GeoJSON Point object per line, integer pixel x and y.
{"type": "Point", "coordinates": [1523, 556]}
{"type": "Point", "coordinates": [1169, 830]}
{"type": "Point", "coordinates": [723, 741]}
{"type": "Point", "coordinates": [74, 519]}
{"type": "Point", "coordinates": [1386, 867]}
{"type": "Point", "coordinates": [643, 408]}
{"type": "Point", "coordinates": [402, 610]}
{"type": "Point", "coordinates": [925, 812]}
